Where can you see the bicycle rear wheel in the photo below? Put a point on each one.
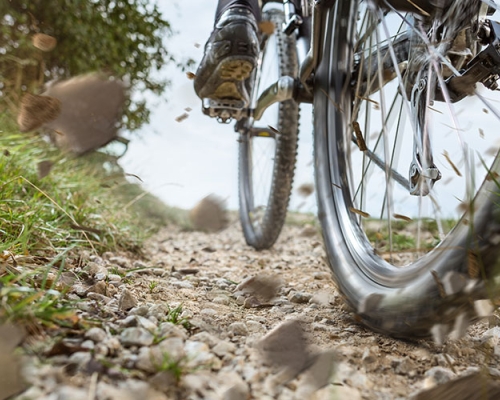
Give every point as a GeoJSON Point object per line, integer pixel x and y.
{"type": "Point", "coordinates": [407, 264]}
{"type": "Point", "coordinates": [267, 151]}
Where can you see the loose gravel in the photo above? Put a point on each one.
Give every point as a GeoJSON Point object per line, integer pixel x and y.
{"type": "Point", "coordinates": [254, 325]}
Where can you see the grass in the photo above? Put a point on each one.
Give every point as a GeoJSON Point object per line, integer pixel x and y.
{"type": "Point", "coordinates": [83, 203]}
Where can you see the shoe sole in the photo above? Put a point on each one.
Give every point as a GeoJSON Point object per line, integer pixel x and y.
{"type": "Point", "coordinates": [227, 81]}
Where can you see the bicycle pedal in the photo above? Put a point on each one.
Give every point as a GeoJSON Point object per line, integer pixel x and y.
{"type": "Point", "coordinates": [225, 111]}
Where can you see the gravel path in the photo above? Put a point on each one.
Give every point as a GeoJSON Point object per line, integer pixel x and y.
{"type": "Point", "coordinates": [241, 341]}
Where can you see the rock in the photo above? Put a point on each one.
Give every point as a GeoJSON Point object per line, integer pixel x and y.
{"type": "Point", "coordinates": [163, 381]}
{"type": "Point", "coordinates": [368, 357]}
{"type": "Point", "coordinates": [238, 329]}
{"type": "Point", "coordinates": [72, 393]}
{"type": "Point", "coordinates": [299, 297]}
{"type": "Point", "coordinates": [96, 334]}
{"type": "Point", "coordinates": [128, 321]}
{"type": "Point", "coordinates": [127, 301]}
{"type": "Point", "coordinates": [136, 337]}
{"type": "Point", "coordinates": [440, 375]}
{"type": "Point", "coordinates": [198, 354]}
{"type": "Point", "coordinates": [337, 392]}
{"type": "Point", "coordinates": [221, 300]}
{"type": "Point", "coordinates": [141, 310]}
{"type": "Point", "coordinates": [224, 348]}
{"type": "Point", "coordinates": [207, 338]}
{"type": "Point", "coordinates": [403, 366]}
{"type": "Point", "coordinates": [168, 329]}
{"type": "Point", "coordinates": [113, 345]}
{"type": "Point", "coordinates": [146, 324]}
{"type": "Point", "coordinates": [159, 311]}
{"type": "Point", "coordinates": [255, 327]}
{"type": "Point", "coordinates": [208, 312]}
{"type": "Point", "coordinates": [98, 297]}
{"type": "Point", "coordinates": [233, 387]}
{"type": "Point", "coordinates": [87, 345]}
{"type": "Point", "coordinates": [122, 262]}
{"type": "Point", "coordinates": [174, 347]}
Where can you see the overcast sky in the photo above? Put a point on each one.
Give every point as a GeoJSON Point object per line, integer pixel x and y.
{"type": "Point", "coordinates": [183, 162]}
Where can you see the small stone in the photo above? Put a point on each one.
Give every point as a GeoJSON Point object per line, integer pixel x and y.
{"type": "Point", "coordinates": [127, 301]}
{"type": "Point", "coordinates": [368, 357]}
{"type": "Point", "coordinates": [403, 366]}
{"type": "Point", "coordinates": [96, 334]}
{"type": "Point", "coordinates": [128, 321]}
{"type": "Point", "coordinates": [299, 297]}
{"type": "Point", "coordinates": [440, 375]}
{"type": "Point", "coordinates": [159, 311]}
{"type": "Point", "coordinates": [146, 324]}
{"type": "Point", "coordinates": [121, 261]}
{"type": "Point", "coordinates": [221, 300]}
{"type": "Point", "coordinates": [251, 302]}
{"type": "Point", "coordinates": [208, 312]}
{"type": "Point", "coordinates": [237, 391]}
{"type": "Point", "coordinates": [71, 393]}
{"type": "Point", "coordinates": [206, 337]}
{"type": "Point", "coordinates": [87, 344]}
{"type": "Point", "coordinates": [141, 310]}
{"type": "Point", "coordinates": [224, 348]}
{"type": "Point", "coordinates": [80, 358]}
{"type": "Point", "coordinates": [238, 329]}
{"type": "Point", "coordinates": [174, 347]}
{"type": "Point", "coordinates": [319, 327]}
{"type": "Point", "coordinates": [168, 329]}
{"type": "Point", "coordinates": [99, 287]}
{"type": "Point", "coordinates": [198, 354]}
{"type": "Point", "coordinates": [98, 297]}
{"type": "Point", "coordinates": [240, 300]}
{"type": "Point", "coordinates": [163, 381]}
{"type": "Point", "coordinates": [136, 337]}
{"type": "Point", "coordinates": [114, 278]}
{"type": "Point", "coordinates": [183, 284]}
{"type": "Point", "coordinates": [113, 345]}
{"type": "Point", "coordinates": [321, 275]}
{"type": "Point", "coordinates": [255, 327]}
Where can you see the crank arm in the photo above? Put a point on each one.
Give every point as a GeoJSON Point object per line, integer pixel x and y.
{"type": "Point", "coordinates": [285, 88]}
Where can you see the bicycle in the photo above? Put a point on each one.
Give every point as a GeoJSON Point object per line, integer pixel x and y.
{"type": "Point", "coordinates": [391, 83]}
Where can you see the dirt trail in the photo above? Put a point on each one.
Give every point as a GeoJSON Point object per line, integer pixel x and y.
{"type": "Point", "coordinates": [136, 352]}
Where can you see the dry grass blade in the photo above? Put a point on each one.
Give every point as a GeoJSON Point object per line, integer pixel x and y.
{"type": "Point", "coordinates": [359, 212]}
{"type": "Point", "coordinates": [447, 156]}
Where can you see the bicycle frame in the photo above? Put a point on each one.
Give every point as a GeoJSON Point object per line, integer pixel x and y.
{"type": "Point", "coordinates": [286, 87]}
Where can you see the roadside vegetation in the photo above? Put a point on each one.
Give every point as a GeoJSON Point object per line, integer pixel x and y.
{"type": "Point", "coordinates": [52, 207]}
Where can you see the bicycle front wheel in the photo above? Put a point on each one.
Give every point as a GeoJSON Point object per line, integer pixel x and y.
{"type": "Point", "coordinates": [268, 147]}
{"type": "Point", "coordinates": [406, 171]}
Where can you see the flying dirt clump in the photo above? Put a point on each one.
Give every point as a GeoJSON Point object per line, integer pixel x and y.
{"type": "Point", "coordinates": [209, 214]}
{"type": "Point", "coordinates": [37, 110]}
{"type": "Point", "coordinates": [44, 42]}
{"type": "Point", "coordinates": [81, 113]}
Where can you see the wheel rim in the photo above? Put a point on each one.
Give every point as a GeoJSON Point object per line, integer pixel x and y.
{"type": "Point", "coordinates": [386, 120]}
